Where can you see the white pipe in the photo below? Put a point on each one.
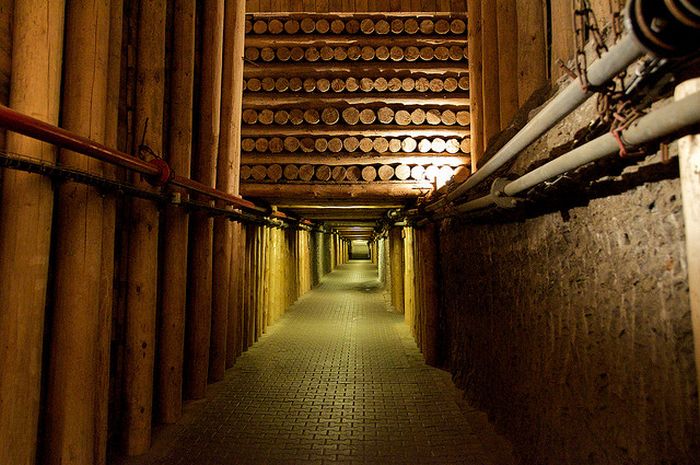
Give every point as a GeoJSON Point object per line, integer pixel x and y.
{"type": "Point", "coordinates": [618, 58]}
{"type": "Point", "coordinates": [659, 123]}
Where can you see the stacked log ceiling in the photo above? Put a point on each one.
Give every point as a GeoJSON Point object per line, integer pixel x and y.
{"type": "Point", "coordinates": [199, 305]}
{"type": "Point", "coordinates": [70, 415]}
{"type": "Point", "coordinates": [143, 234]}
{"type": "Point", "coordinates": [371, 104]}
{"type": "Point", "coordinates": [356, 6]}
{"type": "Point", "coordinates": [25, 227]}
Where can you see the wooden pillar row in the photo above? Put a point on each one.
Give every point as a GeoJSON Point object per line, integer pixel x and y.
{"type": "Point", "coordinates": [199, 305]}
{"type": "Point", "coordinates": [173, 290]}
{"type": "Point", "coordinates": [143, 234]}
{"type": "Point", "coordinates": [70, 414]}
{"type": "Point", "coordinates": [25, 227]}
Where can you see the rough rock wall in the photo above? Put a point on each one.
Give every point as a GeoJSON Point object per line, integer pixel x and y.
{"type": "Point", "coordinates": [573, 331]}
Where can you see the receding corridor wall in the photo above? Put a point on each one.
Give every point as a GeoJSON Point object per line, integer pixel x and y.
{"type": "Point", "coordinates": [574, 331]}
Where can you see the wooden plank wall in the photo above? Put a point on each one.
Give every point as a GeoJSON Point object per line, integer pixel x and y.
{"type": "Point", "coordinates": [356, 6]}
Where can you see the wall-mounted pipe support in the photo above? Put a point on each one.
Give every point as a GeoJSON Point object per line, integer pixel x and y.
{"type": "Point", "coordinates": [670, 119]}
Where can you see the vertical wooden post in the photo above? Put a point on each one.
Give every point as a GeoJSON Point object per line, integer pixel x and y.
{"type": "Point", "coordinates": [409, 280]}
{"type": "Point", "coordinates": [251, 283]}
{"type": "Point", "coordinates": [199, 305]}
{"type": "Point", "coordinates": [489, 82]}
{"type": "Point", "coordinates": [173, 289]}
{"type": "Point", "coordinates": [476, 108]}
{"type": "Point", "coordinates": [507, 60]}
{"type": "Point", "coordinates": [234, 336]}
{"type": "Point", "coordinates": [563, 36]}
{"type": "Point", "coordinates": [397, 268]}
{"type": "Point", "coordinates": [109, 207]}
{"type": "Point", "coordinates": [429, 289]}
{"type": "Point", "coordinates": [233, 63]}
{"type": "Point", "coordinates": [689, 161]}
{"type": "Point", "coordinates": [25, 227]}
{"type": "Point", "coordinates": [227, 172]}
{"type": "Point", "coordinates": [532, 48]}
{"type": "Point", "coordinates": [143, 234]}
{"type": "Point", "coordinates": [70, 427]}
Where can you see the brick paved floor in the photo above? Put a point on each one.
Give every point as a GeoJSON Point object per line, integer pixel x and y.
{"type": "Point", "coordinates": [337, 380]}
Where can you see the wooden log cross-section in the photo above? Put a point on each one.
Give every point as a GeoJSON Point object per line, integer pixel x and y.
{"type": "Point", "coordinates": [353, 84]}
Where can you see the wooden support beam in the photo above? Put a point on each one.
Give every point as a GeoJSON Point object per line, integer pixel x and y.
{"type": "Point", "coordinates": [234, 336]}
{"type": "Point", "coordinates": [428, 245]}
{"type": "Point", "coordinates": [107, 271]}
{"type": "Point", "coordinates": [396, 256]}
{"type": "Point", "coordinates": [375, 190]}
{"type": "Point", "coordinates": [404, 99]}
{"type": "Point", "coordinates": [70, 416]}
{"type": "Point", "coordinates": [476, 103]}
{"type": "Point", "coordinates": [507, 60]}
{"type": "Point", "coordinates": [563, 35]}
{"type": "Point", "coordinates": [532, 48]}
{"type": "Point", "coordinates": [342, 159]}
{"type": "Point", "coordinates": [199, 305]}
{"type": "Point", "coordinates": [352, 131]}
{"type": "Point", "coordinates": [173, 291]}
{"type": "Point", "coordinates": [321, 40]}
{"type": "Point", "coordinates": [227, 174]}
{"type": "Point", "coordinates": [25, 227]}
{"type": "Point", "coordinates": [143, 235]}
{"type": "Point", "coordinates": [233, 63]}
{"type": "Point", "coordinates": [373, 70]}
{"type": "Point", "coordinates": [689, 161]}
{"type": "Point", "coordinates": [489, 81]}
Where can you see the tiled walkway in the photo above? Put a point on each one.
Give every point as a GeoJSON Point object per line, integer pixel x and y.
{"type": "Point", "coordinates": [337, 380]}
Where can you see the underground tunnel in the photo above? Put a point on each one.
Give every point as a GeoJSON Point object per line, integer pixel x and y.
{"type": "Point", "coordinates": [289, 232]}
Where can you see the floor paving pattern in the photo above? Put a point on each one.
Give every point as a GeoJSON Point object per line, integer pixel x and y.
{"type": "Point", "coordinates": [338, 380]}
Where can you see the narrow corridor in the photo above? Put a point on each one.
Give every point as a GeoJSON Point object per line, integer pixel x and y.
{"type": "Point", "coordinates": [337, 380]}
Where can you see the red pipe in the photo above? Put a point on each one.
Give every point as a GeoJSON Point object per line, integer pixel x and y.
{"type": "Point", "coordinates": [37, 129]}
{"type": "Point", "coordinates": [203, 189]}
{"type": "Point", "coordinates": [159, 171]}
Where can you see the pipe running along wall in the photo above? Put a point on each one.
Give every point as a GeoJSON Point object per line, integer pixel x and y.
{"type": "Point", "coordinates": [668, 120]}
{"type": "Point", "coordinates": [679, 27]}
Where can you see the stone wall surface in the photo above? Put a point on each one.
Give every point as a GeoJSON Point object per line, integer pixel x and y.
{"type": "Point", "coordinates": [573, 330]}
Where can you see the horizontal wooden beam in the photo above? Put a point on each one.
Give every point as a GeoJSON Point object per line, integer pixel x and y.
{"type": "Point", "coordinates": [349, 159]}
{"type": "Point", "coordinates": [311, 191]}
{"type": "Point", "coordinates": [454, 100]}
{"type": "Point", "coordinates": [358, 15]}
{"type": "Point", "coordinates": [338, 40]}
{"type": "Point", "coordinates": [352, 69]}
{"type": "Point", "coordinates": [387, 130]}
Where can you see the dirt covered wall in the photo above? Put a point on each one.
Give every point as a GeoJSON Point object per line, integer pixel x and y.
{"type": "Point", "coordinates": [573, 330]}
